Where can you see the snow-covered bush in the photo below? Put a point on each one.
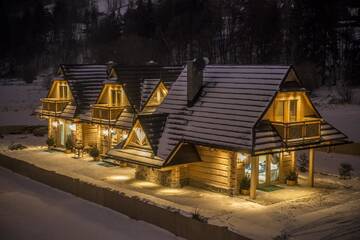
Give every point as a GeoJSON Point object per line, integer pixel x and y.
{"type": "Point", "coordinates": [40, 131]}
{"type": "Point", "coordinates": [94, 153]}
{"type": "Point", "coordinates": [345, 170]}
{"type": "Point", "coordinates": [245, 183]}
{"type": "Point", "coordinates": [50, 141]}
{"type": "Point", "coordinates": [16, 146]}
{"type": "Point", "coordinates": [69, 144]}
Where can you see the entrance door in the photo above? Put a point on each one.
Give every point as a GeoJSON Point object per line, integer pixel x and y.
{"type": "Point", "coordinates": [62, 134]}
{"type": "Point", "coordinates": [269, 169]}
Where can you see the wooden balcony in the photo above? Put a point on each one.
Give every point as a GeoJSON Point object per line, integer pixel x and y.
{"type": "Point", "coordinates": [53, 106]}
{"type": "Point", "coordinates": [105, 114]}
{"type": "Point", "coordinates": [299, 132]}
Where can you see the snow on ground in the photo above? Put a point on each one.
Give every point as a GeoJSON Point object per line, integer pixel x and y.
{"type": "Point", "coordinates": [31, 210]}
{"type": "Point", "coordinates": [18, 101]}
{"type": "Point", "coordinates": [334, 205]}
{"type": "Point", "coordinates": [345, 117]}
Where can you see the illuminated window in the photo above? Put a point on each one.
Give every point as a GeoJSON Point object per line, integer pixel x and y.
{"type": "Point", "coordinates": [63, 91]}
{"type": "Point", "coordinates": [140, 136]}
{"type": "Point", "coordinates": [293, 110]}
{"type": "Point", "coordinates": [279, 111]}
{"type": "Point", "coordinates": [115, 97]}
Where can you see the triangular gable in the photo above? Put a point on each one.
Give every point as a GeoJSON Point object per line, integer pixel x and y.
{"type": "Point", "coordinates": [291, 81]}
{"type": "Point", "coordinates": [157, 96]}
{"type": "Point", "coordinates": [60, 72]}
{"type": "Point", "coordinates": [105, 92]}
{"type": "Point", "coordinates": [184, 153]}
{"type": "Point", "coordinates": [54, 91]}
{"type": "Point", "coordinates": [137, 137]}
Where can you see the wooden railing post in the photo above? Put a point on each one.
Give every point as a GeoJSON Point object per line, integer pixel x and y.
{"type": "Point", "coordinates": [254, 176]}
{"type": "Point", "coordinates": [311, 167]}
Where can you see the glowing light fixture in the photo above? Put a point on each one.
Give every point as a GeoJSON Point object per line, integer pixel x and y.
{"type": "Point", "coordinates": [241, 158]}
{"type": "Point", "coordinates": [72, 127]}
{"type": "Point", "coordinates": [55, 123]}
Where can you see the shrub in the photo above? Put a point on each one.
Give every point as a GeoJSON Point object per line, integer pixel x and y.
{"type": "Point", "coordinates": [94, 152]}
{"type": "Point", "coordinates": [69, 144]}
{"type": "Point", "coordinates": [16, 146]}
{"type": "Point", "coordinates": [303, 162]}
{"type": "Point", "coordinates": [50, 141]}
{"type": "Point", "coordinates": [40, 131]}
{"type": "Point", "coordinates": [196, 215]}
{"type": "Point", "coordinates": [292, 176]}
{"type": "Point", "coordinates": [345, 170]}
{"type": "Point", "coordinates": [245, 183]}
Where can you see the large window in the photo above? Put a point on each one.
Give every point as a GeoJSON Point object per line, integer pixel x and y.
{"type": "Point", "coordinates": [286, 111]}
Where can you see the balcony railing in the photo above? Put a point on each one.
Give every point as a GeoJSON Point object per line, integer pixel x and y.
{"type": "Point", "coordinates": [53, 106]}
{"type": "Point", "coordinates": [294, 132]}
{"type": "Point", "coordinates": [105, 113]}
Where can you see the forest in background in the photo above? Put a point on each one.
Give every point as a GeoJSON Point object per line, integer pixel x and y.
{"type": "Point", "coordinates": [321, 38]}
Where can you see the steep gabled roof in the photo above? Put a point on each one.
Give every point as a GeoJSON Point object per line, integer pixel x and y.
{"type": "Point", "coordinates": [153, 126]}
{"type": "Point", "coordinates": [133, 79]}
{"type": "Point", "coordinates": [85, 81]}
{"type": "Point", "coordinates": [232, 100]}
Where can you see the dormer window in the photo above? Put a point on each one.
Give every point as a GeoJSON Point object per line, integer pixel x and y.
{"type": "Point", "coordinates": [63, 91]}
{"type": "Point", "coordinates": [286, 111]}
{"type": "Point", "coordinates": [116, 97]}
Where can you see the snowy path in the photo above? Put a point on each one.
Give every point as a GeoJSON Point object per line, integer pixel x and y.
{"type": "Point", "coordinates": [30, 210]}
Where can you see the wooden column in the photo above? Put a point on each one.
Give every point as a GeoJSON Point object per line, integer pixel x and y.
{"type": "Point", "coordinates": [268, 171]}
{"type": "Point", "coordinates": [232, 173]}
{"type": "Point", "coordinates": [254, 176]}
{"type": "Point", "coordinates": [293, 161]}
{"type": "Point", "coordinates": [281, 169]}
{"type": "Point", "coordinates": [311, 167]}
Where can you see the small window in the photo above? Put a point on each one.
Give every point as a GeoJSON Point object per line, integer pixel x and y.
{"type": "Point", "coordinates": [293, 111]}
{"type": "Point", "coordinates": [63, 92]}
{"type": "Point", "coordinates": [279, 111]}
{"type": "Point", "coordinates": [115, 97]}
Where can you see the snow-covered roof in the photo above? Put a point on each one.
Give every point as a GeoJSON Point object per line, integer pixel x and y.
{"type": "Point", "coordinates": [232, 99]}
{"type": "Point", "coordinates": [85, 81]}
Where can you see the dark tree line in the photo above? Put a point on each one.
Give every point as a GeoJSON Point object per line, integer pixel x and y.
{"type": "Point", "coordinates": [320, 37]}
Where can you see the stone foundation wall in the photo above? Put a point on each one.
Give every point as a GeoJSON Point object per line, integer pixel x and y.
{"type": "Point", "coordinates": [153, 175]}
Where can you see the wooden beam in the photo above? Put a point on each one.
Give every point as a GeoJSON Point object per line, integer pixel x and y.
{"type": "Point", "coordinates": [254, 176]}
{"type": "Point", "coordinates": [311, 167]}
{"type": "Point", "coordinates": [268, 170]}
{"type": "Point", "coordinates": [293, 161]}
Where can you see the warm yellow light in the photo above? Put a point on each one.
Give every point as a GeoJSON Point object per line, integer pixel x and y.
{"type": "Point", "coordinates": [55, 123]}
{"type": "Point", "coordinates": [105, 132]}
{"type": "Point", "coordinates": [72, 127]}
{"type": "Point", "coordinates": [241, 157]}
{"type": "Point", "coordinates": [145, 184]}
{"type": "Point", "coordinates": [170, 191]}
{"type": "Point", "coordinates": [118, 178]}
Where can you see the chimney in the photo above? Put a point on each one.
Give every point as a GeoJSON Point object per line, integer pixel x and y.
{"type": "Point", "coordinates": [194, 78]}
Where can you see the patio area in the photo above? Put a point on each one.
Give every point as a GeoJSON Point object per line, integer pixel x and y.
{"type": "Point", "coordinates": [266, 216]}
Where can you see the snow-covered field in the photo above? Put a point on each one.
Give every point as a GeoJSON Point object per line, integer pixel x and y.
{"type": "Point", "coordinates": [18, 101]}
{"type": "Point", "coordinates": [31, 210]}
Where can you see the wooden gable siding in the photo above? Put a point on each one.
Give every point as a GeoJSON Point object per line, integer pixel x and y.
{"type": "Point", "coordinates": [213, 170]}
{"type": "Point", "coordinates": [91, 135]}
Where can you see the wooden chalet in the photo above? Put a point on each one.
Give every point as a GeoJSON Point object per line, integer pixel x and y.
{"type": "Point", "coordinates": [95, 105]}
{"type": "Point", "coordinates": [219, 123]}
{"type": "Point", "coordinates": [202, 125]}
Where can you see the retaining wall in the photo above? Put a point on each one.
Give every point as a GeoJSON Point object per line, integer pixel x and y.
{"type": "Point", "coordinates": [174, 222]}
